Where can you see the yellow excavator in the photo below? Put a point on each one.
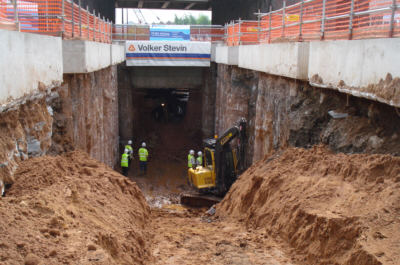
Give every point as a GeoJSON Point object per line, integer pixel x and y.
{"type": "Point", "coordinates": [223, 163]}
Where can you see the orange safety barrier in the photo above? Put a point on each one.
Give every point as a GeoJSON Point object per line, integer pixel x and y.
{"type": "Point", "coordinates": [319, 19]}
{"type": "Point", "coordinates": [80, 23]}
{"type": "Point", "coordinates": [56, 18]}
{"type": "Point", "coordinates": [142, 32]}
{"type": "Point", "coordinates": [243, 32]}
{"type": "Point", "coordinates": [6, 22]}
{"type": "Point", "coordinates": [207, 33]}
{"type": "Point", "coordinates": [3, 10]}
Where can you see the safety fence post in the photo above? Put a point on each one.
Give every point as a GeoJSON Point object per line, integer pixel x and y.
{"type": "Point", "coordinates": [391, 29]}
{"type": "Point", "coordinates": [323, 19]}
{"type": "Point", "coordinates": [125, 34]}
{"type": "Point", "coordinates": [270, 26]}
{"type": "Point", "coordinates": [135, 32]}
{"type": "Point", "coordinates": [47, 15]}
{"type": "Point", "coordinates": [99, 25]}
{"type": "Point", "coordinates": [351, 20]}
{"type": "Point", "coordinates": [301, 21]}
{"type": "Point", "coordinates": [80, 20]}
{"type": "Point", "coordinates": [100, 29]}
{"type": "Point", "coordinates": [111, 31]}
{"type": "Point", "coordinates": [62, 18]}
{"type": "Point", "coordinates": [72, 22]}
{"type": "Point", "coordinates": [88, 22]}
{"type": "Point", "coordinates": [16, 15]}
{"type": "Point", "coordinates": [283, 18]}
{"type": "Point", "coordinates": [94, 25]}
{"type": "Point", "coordinates": [240, 30]}
{"type": "Point", "coordinates": [122, 24]}
{"type": "Point", "coordinates": [104, 29]}
{"type": "Point", "coordinates": [225, 34]}
{"type": "Point", "coordinates": [258, 25]}
{"type": "Point", "coordinates": [107, 30]}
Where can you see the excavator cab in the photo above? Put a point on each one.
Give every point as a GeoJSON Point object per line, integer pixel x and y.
{"type": "Point", "coordinates": [204, 177]}
{"type": "Point", "coordinates": [222, 163]}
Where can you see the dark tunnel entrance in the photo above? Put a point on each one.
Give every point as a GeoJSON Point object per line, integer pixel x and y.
{"type": "Point", "coordinates": [169, 121]}
{"type": "Point", "coordinates": [169, 104]}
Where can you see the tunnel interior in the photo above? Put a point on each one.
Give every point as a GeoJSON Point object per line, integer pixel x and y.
{"type": "Point", "coordinates": [168, 119]}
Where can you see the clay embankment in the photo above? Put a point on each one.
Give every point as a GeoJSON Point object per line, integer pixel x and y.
{"type": "Point", "coordinates": [330, 208]}
{"type": "Point", "coordinates": [72, 209]}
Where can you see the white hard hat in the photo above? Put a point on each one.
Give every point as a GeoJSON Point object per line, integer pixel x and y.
{"type": "Point", "coordinates": [130, 142]}
{"type": "Point", "coordinates": [126, 151]}
{"type": "Point", "coordinates": [143, 144]}
{"type": "Point", "coordinates": [191, 152]}
{"type": "Point", "coordinates": [199, 153]}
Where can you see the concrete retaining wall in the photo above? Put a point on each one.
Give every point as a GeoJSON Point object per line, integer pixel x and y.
{"type": "Point", "coordinates": [283, 59]}
{"type": "Point", "coordinates": [364, 68]}
{"type": "Point", "coordinates": [28, 62]}
{"type": "Point", "coordinates": [117, 53]}
{"type": "Point", "coordinates": [227, 55]}
{"type": "Point", "coordinates": [166, 77]}
{"type": "Point", "coordinates": [87, 56]}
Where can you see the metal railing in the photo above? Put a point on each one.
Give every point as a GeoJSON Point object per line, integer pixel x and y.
{"type": "Point", "coordinates": [55, 17]}
{"type": "Point", "coordinates": [305, 21]}
{"type": "Point", "coordinates": [318, 20]}
{"type": "Point", "coordinates": [123, 32]}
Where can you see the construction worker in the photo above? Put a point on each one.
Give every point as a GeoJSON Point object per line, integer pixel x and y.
{"type": "Point", "coordinates": [130, 150]}
{"type": "Point", "coordinates": [125, 162]}
{"type": "Point", "coordinates": [191, 160]}
{"type": "Point", "coordinates": [199, 159]}
{"type": "Point", "coordinates": [143, 154]}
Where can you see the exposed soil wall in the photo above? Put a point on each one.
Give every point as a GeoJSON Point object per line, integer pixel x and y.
{"type": "Point", "coordinates": [208, 101]}
{"type": "Point", "coordinates": [25, 131]}
{"type": "Point", "coordinates": [284, 112]}
{"type": "Point", "coordinates": [80, 114]}
{"type": "Point", "coordinates": [331, 208]}
{"type": "Point", "coordinates": [237, 91]}
{"type": "Point", "coordinates": [86, 115]}
{"type": "Point", "coordinates": [72, 209]}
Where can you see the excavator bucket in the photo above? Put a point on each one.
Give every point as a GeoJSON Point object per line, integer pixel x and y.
{"type": "Point", "coordinates": [199, 200]}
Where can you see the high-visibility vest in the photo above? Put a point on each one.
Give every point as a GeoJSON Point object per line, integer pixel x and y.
{"type": "Point", "coordinates": [129, 148]}
{"type": "Point", "coordinates": [199, 161]}
{"type": "Point", "coordinates": [124, 160]}
{"type": "Point", "coordinates": [190, 160]}
{"type": "Point", "coordinates": [143, 154]}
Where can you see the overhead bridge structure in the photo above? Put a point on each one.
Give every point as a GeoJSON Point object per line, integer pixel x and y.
{"type": "Point", "coordinates": [162, 4]}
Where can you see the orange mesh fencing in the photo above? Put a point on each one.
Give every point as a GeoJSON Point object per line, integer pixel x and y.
{"type": "Point", "coordinates": [6, 22]}
{"type": "Point", "coordinates": [80, 23]}
{"type": "Point", "coordinates": [131, 32]}
{"type": "Point", "coordinates": [243, 32]}
{"type": "Point", "coordinates": [207, 33]}
{"type": "Point", "coordinates": [329, 19]}
{"type": "Point", "coordinates": [56, 18]}
{"type": "Point", "coordinates": [3, 11]}
{"type": "Point", "coordinates": [142, 32]}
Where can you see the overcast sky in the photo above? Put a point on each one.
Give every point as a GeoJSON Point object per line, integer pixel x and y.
{"type": "Point", "coordinates": [152, 15]}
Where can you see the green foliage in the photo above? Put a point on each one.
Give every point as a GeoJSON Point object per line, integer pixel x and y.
{"type": "Point", "coordinates": [191, 20]}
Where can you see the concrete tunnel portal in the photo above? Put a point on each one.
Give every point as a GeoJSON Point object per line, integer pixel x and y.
{"type": "Point", "coordinates": [162, 106]}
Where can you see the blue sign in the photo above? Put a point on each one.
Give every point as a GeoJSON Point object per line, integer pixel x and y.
{"type": "Point", "coordinates": [170, 32]}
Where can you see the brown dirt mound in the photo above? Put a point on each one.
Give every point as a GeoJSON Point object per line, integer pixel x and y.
{"type": "Point", "coordinates": [331, 208]}
{"type": "Point", "coordinates": [72, 209]}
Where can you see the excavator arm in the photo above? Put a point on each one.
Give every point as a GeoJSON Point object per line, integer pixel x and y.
{"type": "Point", "coordinates": [221, 146]}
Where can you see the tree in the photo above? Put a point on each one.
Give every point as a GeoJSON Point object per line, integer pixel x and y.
{"type": "Point", "coordinates": [191, 20]}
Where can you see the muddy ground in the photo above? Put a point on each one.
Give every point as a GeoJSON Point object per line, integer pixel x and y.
{"type": "Point", "coordinates": [182, 235]}
{"type": "Point", "coordinates": [296, 207]}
